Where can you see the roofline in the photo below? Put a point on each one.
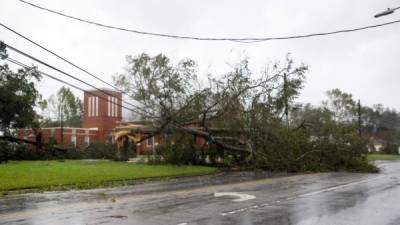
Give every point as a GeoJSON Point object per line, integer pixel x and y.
{"type": "Point", "coordinates": [49, 128]}
{"type": "Point", "coordinates": [102, 89]}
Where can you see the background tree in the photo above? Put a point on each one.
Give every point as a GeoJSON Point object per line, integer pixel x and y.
{"type": "Point", "coordinates": [383, 125]}
{"type": "Point", "coordinates": [64, 102]}
{"type": "Point", "coordinates": [342, 105]}
{"type": "Point", "coordinates": [18, 98]}
{"type": "Point", "coordinates": [163, 90]}
{"type": "Point", "coordinates": [3, 51]}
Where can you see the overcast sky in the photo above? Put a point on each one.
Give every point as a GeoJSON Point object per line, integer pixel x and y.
{"type": "Point", "coordinates": [365, 63]}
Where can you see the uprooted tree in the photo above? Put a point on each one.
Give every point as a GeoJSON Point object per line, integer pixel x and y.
{"type": "Point", "coordinates": [245, 116]}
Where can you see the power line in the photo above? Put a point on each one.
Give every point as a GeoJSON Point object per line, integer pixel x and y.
{"type": "Point", "coordinates": [69, 75]}
{"type": "Point", "coordinates": [62, 58]}
{"type": "Point", "coordinates": [75, 78]}
{"type": "Point", "coordinates": [55, 54]}
{"type": "Point", "coordinates": [11, 60]}
{"type": "Point", "coordinates": [242, 40]}
{"type": "Point", "coordinates": [62, 81]}
{"type": "Point", "coordinates": [67, 61]}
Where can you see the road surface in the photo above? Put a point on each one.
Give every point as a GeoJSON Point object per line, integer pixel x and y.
{"type": "Point", "coordinates": [323, 198]}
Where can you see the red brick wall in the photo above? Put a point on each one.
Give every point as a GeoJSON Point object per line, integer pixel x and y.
{"type": "Point", "coordinates": [145, 147]}
{"type": "Point", "coordinates": [103, 120]}
{"type": "Point", "coordinates": [47, 133]}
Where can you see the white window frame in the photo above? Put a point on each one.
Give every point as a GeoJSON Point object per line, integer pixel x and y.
{"type": "Point", "coordinates": [116, 108]}
{"type": "Point", "coordinates": [92, 106]}
{"type": "Point", "coordinates": [89, 106]}
{"type": "Point", "coordinates": [109, 106]}
{"type": "Point", "coordinates": [73, 140]}
{"type": "Point", "coordinates": [150, 140]}
{"type": "Point", "coordinates": [87, 140]}
{"type": "Point", "coordinates": [97, 106]}
{"type": "Point", "coordinates": [112, 106]}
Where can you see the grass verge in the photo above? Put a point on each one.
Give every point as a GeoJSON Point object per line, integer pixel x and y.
{"type": "Point", "coordinates": [56, 175]}
{"type": "Point", "coordinates": [383, 157]}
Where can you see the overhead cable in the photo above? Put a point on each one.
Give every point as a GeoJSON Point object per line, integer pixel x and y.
{"type": "Point", "coordinates": [241, 40]}
{"type": "Point", "coordinates": [65, 73]}
{"type": "Point", "coordinates": [69, 62]}
{"type": "Point", "coordinates": [18, 63]}
{"type": "Point", "coordinates": [62, 58]}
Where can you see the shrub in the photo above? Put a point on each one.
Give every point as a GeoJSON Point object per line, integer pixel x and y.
{"type": "Point", "coordinates": [179, 154]}
{"type": "Point", "coordinates": [23, 152]}
{"type": "Point", "coordinates": [4, 152]}
{"type": "Point", "coordinates": [214, 154]}
{"type": "Point", "coordinates": [71, 153]}
{"type": "Point", "coordinates": [100, 150]}
{"type": "Point", "coordinates": [182, 151]}
{"type": "Point", "coordinates": [391, 149]}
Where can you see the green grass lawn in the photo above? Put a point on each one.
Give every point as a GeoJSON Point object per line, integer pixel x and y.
{"type": "Point", "coordinates": [383, 157]}
{"type": "Point", "coordinates": [53, 175]}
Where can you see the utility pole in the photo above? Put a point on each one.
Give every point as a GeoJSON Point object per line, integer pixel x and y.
{"type": "Point", "coordinates": [62, 120]}
{"type": "Point", "coordinates": [359, 116]}
{"type": "Point", "coordinates": [61, 125]}
{"type": "Point", "coordinates": [285, 96]}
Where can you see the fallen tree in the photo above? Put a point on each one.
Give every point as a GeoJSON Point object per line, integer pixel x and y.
{"type": "Point", "coordinates": [247, 118]}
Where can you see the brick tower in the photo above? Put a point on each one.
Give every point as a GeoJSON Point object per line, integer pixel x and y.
{"type": "Point", "coordinates": [102, 110]}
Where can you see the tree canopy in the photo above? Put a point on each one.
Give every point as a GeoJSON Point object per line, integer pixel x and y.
{"type": "Point", "coordinates": [65, 102]}
{"type": "Point", "coordinates": [249, 119]}
{"type": "Point", "coordinates": [18, 98]}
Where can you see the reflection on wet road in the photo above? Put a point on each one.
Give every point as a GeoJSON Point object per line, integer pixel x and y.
{"type": "Point", "coordinates": [325, 198]}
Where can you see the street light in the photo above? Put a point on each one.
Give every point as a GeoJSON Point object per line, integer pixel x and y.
{"type": "Point", "coordinates": [386, 12]}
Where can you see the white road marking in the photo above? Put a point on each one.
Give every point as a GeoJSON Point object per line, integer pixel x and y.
{"type": "Point", "coordinates": [301, 196]}
{"type": "Point", "coordinates": [335, 187]}
{"type": "Point", "coordinates": [240, 210]}
{"type": "Point", "coordinates": [241, 197]}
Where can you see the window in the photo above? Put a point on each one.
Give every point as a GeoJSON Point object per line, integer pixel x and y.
{"type": "Point", "coordinates": [89, 106]}
{"type": "Point", "coordinates": [112, 137]}
{"type": "Point", "coordinates": [150, 140]}
{"type": "Point", "coordinates": [112, 106]}
{"type": "Point", "coordinates": [96, 112]}
{"type": "Point", "coordinates": [93, 106]}
{"type": "Point", "coordinates": [109, 106]}
{"type": "Point", "coordinates": [115, 107]}
{"type": "Point", "coordinates": [73, 140]}
{"type": "Point", "coordinates": [87, 140]}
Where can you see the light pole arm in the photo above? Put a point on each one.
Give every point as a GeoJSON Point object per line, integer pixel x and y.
{"type": "Point", "coordinates": [386, 12]}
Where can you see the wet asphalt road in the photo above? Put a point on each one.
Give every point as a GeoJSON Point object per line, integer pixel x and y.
{"type": "Point", "coordinates": [325, 198]}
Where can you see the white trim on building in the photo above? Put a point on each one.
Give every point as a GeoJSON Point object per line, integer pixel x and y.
{"type": "Point", "coordinates": [112, 106]}
{"type": "Point", "coordinates": [89, 106]}
{"type": "Point", "coordinates": [93, 106]}
{"type": "Point", "coordinates": [97, 106]}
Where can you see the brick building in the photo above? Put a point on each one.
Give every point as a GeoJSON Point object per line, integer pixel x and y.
{"type": "Point", "coordinates": [102, 112]}
{"type": "Point", "coordinates": [102, 120]}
